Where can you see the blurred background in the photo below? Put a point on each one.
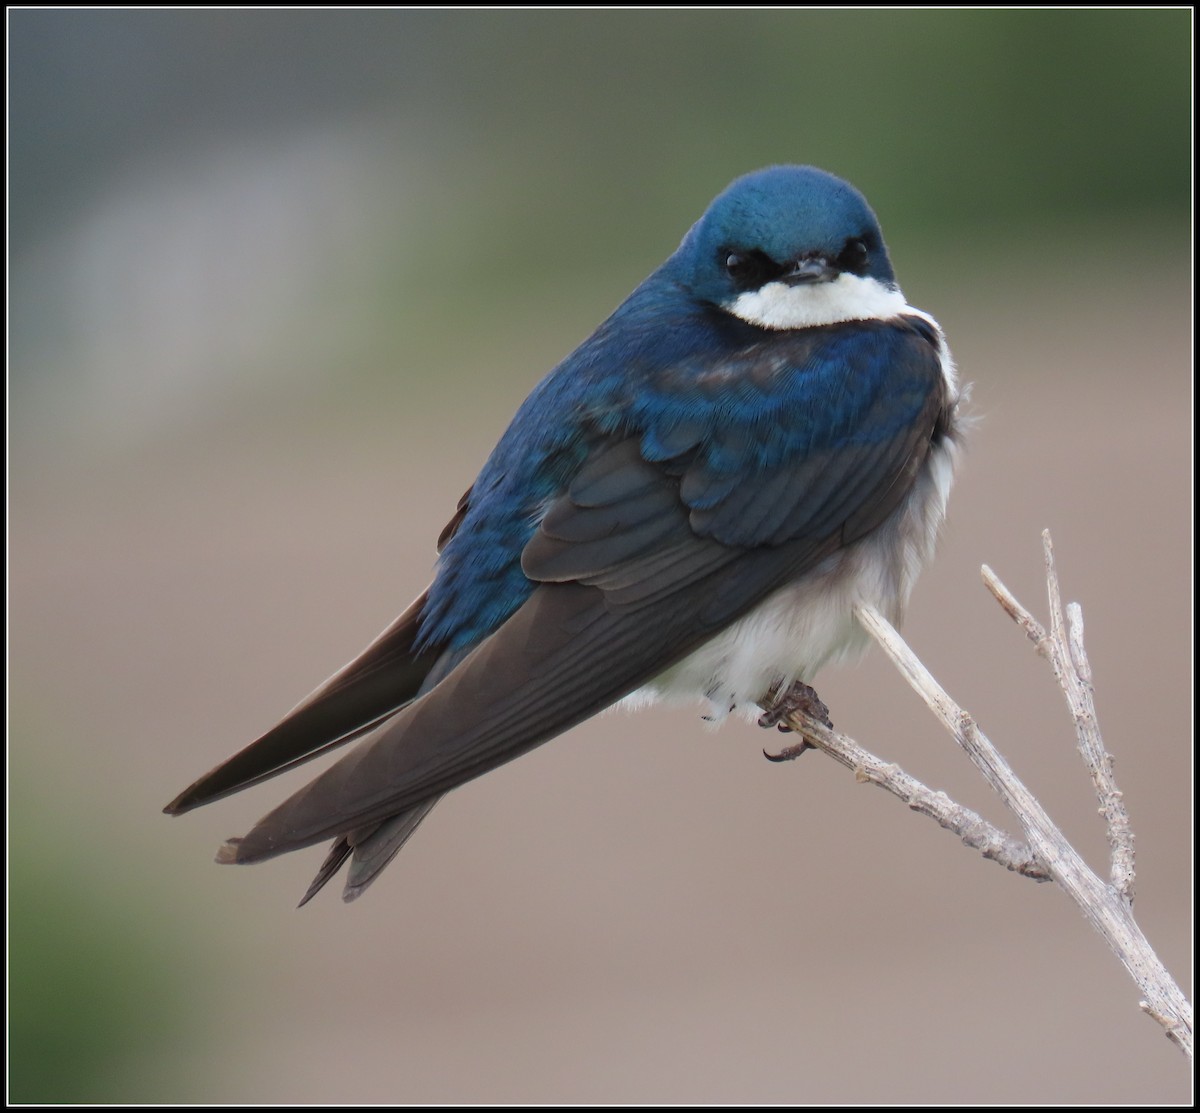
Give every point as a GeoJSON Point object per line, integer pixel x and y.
{"type": "Point", "coordinates": [280, 279]}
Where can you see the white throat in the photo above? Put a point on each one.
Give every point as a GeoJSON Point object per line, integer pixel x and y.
{"type": "Point", "coordinates": [847, 298]}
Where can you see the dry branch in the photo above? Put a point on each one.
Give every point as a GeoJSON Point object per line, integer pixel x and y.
{"type": "Point", "coordinates": [1046, 853]}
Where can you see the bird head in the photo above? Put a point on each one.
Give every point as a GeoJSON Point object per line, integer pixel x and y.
{"type": "Point", "coordinates": [789, 247]}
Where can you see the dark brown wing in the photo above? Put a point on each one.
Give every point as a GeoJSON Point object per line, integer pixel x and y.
{"type": "Point", "coordinates": [632, 589]}
{"type": "Point", "coordinates": [369, 689]}
{"type": "Point", "coordinates": [388, 674]}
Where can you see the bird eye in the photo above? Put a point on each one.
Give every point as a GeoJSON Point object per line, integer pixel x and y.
{"type": "Point", "coordinates": [748, 269]}
{"type": "Point", "coordinates": [855, 257]}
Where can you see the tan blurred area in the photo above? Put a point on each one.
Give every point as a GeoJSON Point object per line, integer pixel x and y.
{"type": "Point", "coordinates": [644, 910]}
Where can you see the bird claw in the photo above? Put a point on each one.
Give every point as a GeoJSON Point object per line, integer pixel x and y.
{"type": "Point", "coordinates": [789, 753]}
{"type": "Point", "coordinates": [799, 698]}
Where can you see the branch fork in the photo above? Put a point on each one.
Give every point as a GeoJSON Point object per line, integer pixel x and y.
{"type": "Point", "coordinates": [1043, 854]}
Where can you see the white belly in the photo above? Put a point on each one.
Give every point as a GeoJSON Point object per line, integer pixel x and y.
{"type": "Point", "coordinates": [801, 627]}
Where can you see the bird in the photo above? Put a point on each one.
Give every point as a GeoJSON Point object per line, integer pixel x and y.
{"type": "Point", "coordinates": [687, 508]}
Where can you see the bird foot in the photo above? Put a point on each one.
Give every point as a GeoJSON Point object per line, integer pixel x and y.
{"type": "Point", "coordinates": [800, 697]}
{"type": "Point", "coordinates": [779, 705]}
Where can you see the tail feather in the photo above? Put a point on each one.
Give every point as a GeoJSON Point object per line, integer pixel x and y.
{"type": "Point", "coordinates": [338, 853]}
{"type": "Point", "coordinates": [374, 852]}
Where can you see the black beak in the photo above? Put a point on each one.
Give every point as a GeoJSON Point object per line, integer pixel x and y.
{"type": "Point", "coordinates": [812, 268]}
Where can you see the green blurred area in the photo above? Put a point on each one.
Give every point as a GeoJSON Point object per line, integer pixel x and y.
{"type": "Point", "coordinates": [106, 980]}
{"type": "Point", "coordinates": [92, 996]}
{"type": "Point", "coordinates": [520, 172]}
{"type": "Point", "coordinates": [451, 167]}
{"type": "Point", "coordinates": [957, 117]}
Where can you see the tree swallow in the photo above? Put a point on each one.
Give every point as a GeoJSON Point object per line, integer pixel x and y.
{"type": "Point", "coordinates": [687, 507]}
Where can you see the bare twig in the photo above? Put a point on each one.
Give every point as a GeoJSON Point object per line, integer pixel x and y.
{"type": "Point", "coordinates": [1107, 906]}
{"type": "Point", "coordinates": [1063, 648]}
{"type": "Point", "coordinates": [975, 831]}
